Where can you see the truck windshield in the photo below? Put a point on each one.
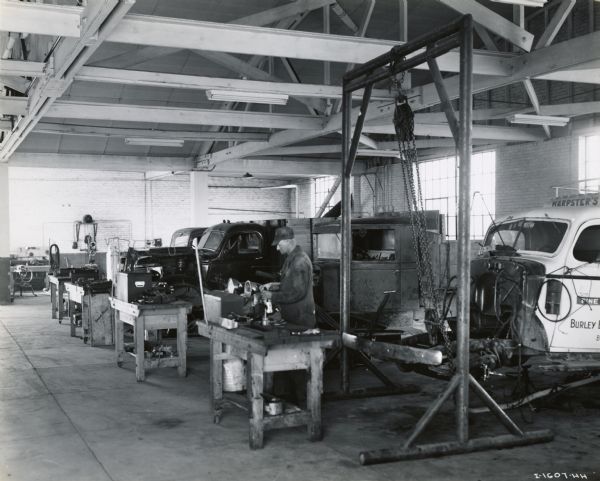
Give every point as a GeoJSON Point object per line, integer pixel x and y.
{"type": "Point", "coordinates": [211, 240]}
{"type": "Point", "coordinates": [526, 235]}
{"type": "Point", "coordinates": [180, 239]}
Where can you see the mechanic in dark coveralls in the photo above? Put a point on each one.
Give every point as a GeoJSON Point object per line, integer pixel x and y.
{"type": "Point", "coordinates": [294, 297]}
{"type": "Point", "coordinates": [294, 293]}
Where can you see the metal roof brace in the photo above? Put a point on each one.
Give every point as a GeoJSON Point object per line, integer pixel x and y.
{"type": "Point", "coordinates": [400, 59]}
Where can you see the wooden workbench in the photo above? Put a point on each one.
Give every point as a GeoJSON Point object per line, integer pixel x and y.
{"type": "Point", "coordinates": [267, 352]}
{"type": "Point", "coordinates": [57, 296]}
{"type": "Point", "coordinates": [96, 315]}
{"type": "Point", "coordinates": [145, 317]}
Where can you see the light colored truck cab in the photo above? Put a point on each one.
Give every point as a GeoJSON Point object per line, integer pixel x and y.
{"type": "Point", "coordinates": [537, 279]}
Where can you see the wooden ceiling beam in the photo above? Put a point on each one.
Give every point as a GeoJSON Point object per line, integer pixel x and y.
{"type": "Point", "coordinates": [156, 79]}
{"type": "Point", "coordinates": [478, 115]}
{"type": "Point", "coordinates": [118, 163]}
{"type": "Point", "coordinates": [391, 148]}
{"type": "Point", "coordinates": [429, 143]}
{"type": "Point", "coordinates": [54, 20]}
{"type": "Point", "coordinates": [344, 17]}
{"type": "Point", "coordinates": [13, 105]}
{"type": "Point", "coordinates": [283, 166]}
{"type": "Point", "coordinates": [557, 21]}
{"type": "Point", "coordinates": [244, 39]}
{"type": "Point", "coordinates": [173, 115]}
{"type": "Point", "coordinates": [272, 15]}
{"type": "Point", "coordinates": [21, 68]}
{"type": "Point", "coordinates": [588, 72]}
{"type": "Point", "coordinates": [488, 132]}
{"type": "Point", "coordinates": [293, 167]}
{"type": "Point", "coordinates": [571, 110]}
{"type": "Point", "coordinates": [120, 132]}
{"type": "Point", "coordinates": [250, 40]}
{"type": "Point", "coordinates": [16, 83]}
{"type": "Point", "coordinates": [493, 22]}
{"type": "Point", "coordinates": [263, 18]}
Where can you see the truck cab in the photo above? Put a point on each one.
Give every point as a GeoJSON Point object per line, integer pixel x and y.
{"type": "Point", "coordinates": [241, 251]}
{"type": "Point", "coordinates": [175, 264]}
{"type": "Point", "coordinates": [537, 279]}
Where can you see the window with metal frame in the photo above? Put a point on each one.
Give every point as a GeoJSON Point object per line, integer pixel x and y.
{"type": "Point", "coordinates": [439, 183]}
{"type": "Point", "coordinates": [589, 163]}
{"type": "Point", "coordinates": [323, 186]}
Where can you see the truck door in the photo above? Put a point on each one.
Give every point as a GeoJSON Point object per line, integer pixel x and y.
{"type": "Point", "coordinates": [243, 255]}
{"type": "Point", "coordinates": [579, 331]}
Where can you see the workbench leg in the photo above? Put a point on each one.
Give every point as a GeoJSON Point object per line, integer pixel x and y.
{"type": "Point", "coordinates": [86, 318]}
{"type": "Point", "coordinates": [53, 301]}
{"type": "Point", "coordinates": [313, 399]}
{"type": "Point", "coordinates": [61, 302]}
{"type": "Point", "coordinates": [119, 342]}
{"type": "Point", "coordinates": [182, 344]}
{"type": "Point", "coordinates": [256, 365]}
{"type": "Point", "coordinates": [72, 321]}
{"type": "Point", "coordinates": [139, 331]}
{"type": "Point", "coordinates": [216, 380]}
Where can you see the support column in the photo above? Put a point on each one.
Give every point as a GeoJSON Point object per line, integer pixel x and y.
{"type": "Point", "coordinates": [4, 235]}
{"type": "Point", "coordinates": [345, 260]}
{"type": "Point", "coordinates": [403, 37]}
{"type": "Point", "coordinates": [199, 199]}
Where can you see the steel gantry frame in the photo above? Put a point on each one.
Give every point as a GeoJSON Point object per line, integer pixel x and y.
{"type": "Point", "coordinates": [400, 59]}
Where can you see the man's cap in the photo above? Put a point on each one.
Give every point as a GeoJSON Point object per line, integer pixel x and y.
{"type": "Point", "coordinates": [282, 233]}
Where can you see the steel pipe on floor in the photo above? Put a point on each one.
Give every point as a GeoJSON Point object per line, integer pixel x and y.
{"type": "Point", "coordinates": [455, 447]}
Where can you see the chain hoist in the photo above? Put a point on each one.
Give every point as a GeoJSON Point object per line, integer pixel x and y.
{"type": "Point", "coordinates": [404, 126]}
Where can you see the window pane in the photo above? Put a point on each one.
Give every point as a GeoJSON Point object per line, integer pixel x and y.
{"type": "Point", "coordinates": [589, 163]}
{"type": "Point", "coordinates": [587, 248]}
{"type": "Point", "coordinates": [439, 180]}
{"type": "Point", "coordinates": [323, 186]}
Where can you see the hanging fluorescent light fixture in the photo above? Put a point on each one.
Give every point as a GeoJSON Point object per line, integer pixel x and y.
{"type": "Point", "coordinates": [249, 97]}
{"type": "Point", "coordinates": [526, 3]}
{"type": "Point", "coordinates": [538, 120]}
{"type": "Point", "coordinates": [150, 142]}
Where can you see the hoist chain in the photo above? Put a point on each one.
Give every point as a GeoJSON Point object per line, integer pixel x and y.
{"type": "Point", "coordinates": [428, 295]}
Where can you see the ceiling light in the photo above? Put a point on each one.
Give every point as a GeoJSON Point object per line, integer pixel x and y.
{"type": "Point", "coordinates": [154, 142]}
{"type": "Point", "coordinates": [538, 120]}
{"type": "Point", "coordinates": [286, 186]}
{"type": "Point", "coordinates": [250, 97]}
{"type": "Point", "coordinates": [526, 3]}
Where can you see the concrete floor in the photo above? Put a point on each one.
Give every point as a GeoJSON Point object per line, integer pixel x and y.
{"type": "Point", "coordinates": [68, 413]}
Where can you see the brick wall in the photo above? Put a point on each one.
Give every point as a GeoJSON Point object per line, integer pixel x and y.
{"type": "Point", "coordinates": [45, 203]}
{"type": "Point", "coordinates": [238, 199]}
{"type": "Point", "coordinates": [167, 206]}
{"type": "Point", "coordinates": [306, 198]}
{"type": "Point", "coordinates": [526, 173]}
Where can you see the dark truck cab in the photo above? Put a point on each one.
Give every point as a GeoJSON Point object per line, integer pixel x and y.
{"type": "Point", "coordinates": [175, 265]}
{"type": "Point", "coordinates": [241, 251]}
